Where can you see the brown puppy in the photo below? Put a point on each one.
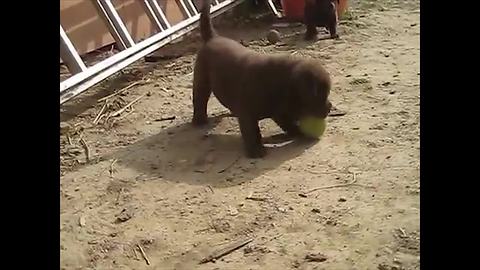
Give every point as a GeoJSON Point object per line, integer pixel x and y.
{"type": "Point", "coordinates": [254, 86]}
{"type": "Point", "coordinates": [321, 13]}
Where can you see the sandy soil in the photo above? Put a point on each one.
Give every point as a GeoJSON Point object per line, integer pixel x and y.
{"type": "Point", "coordinates": [181, 193]}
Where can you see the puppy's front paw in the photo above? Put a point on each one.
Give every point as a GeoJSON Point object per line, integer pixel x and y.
{"type": "Point", "coordinates": [257, 152]}
{"type": "Point", "coordinates": [199, 121]}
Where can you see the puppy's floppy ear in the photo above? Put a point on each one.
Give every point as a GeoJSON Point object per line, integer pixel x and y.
{"type": "Point", "coordinates": [307, 87]}
{"type": "Point", "coordinates": [311, 83]}
{"type": "Point", "coordinates": [313, 87]}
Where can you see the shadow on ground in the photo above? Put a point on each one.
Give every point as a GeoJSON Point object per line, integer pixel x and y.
{"type": "Point", "coordinates": [184, 154]}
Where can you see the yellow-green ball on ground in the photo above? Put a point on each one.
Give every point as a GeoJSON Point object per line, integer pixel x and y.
{"type": "Point", "coordinates": [313, 127]}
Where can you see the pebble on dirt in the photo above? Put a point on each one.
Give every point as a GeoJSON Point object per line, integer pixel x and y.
{"type": "Point", "coordinates": [315, 257]}
{"type": "Point", "coordinates": [125, 215]}
{"type": "Point", "coordinates": [273, 36]}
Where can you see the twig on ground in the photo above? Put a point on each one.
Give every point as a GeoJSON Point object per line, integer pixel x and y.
{"type": "Point", "coordinates": [273, 238]}
{"type": "Point", "coordinates": [69, 139]}
{"type": "Point", "coordinates": [102, 116]}
{"type": "Point", "coordinates": [86, 148]}
{"type": "Point", "coordinates": [95, 121]}
{"type": "Point", "coordinates": [253, 198]}
{"type": "Point", "coordinates": [166, 118]}
{"type": "Point", "coordinates": [143, 254]}
{"type": "Point", "coordinates": [156, 57]}
{"type": "Point", "coordinates": [126, 106]}
{"type": "Point", "coordinates": [136, 254]}
{"type": "Point", "coordinates": [120, 91]}
{"type": "Point", "coordinates": [203, 230]}
{"type": "Point", "coordinates": [226, 250]}
{"type": "Point", "coordinates": [334, 186]}
{"type": "Point", "coordinates": [118, 196]}
{"type": "Point", "coordinates": [111, 169]}
{"type": "Point", "coordinates": [229, 166]}
{"type": "Point", "coordinates": [336, 112]}
{"type": "Point", "coordinates": [258, 199]}
{"type": "Point", "coordinates": [125, 115]}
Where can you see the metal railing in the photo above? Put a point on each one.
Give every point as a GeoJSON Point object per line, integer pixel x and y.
{"type": "Point", "coordinates": [84, 77]}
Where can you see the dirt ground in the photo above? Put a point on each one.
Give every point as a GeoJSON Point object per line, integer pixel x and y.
{"type": "Point", "coordinates": [181, 193]}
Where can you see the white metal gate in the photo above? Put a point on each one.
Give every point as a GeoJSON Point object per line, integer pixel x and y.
{"type": "Point", "coordinates": [84, 77]}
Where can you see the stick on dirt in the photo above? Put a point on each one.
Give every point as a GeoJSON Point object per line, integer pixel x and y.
{"type": "Point", "coordinates": [334, 113]}
{"type": "Point", "coordinates": [226, 250]}
{"type": "Point", "coordinates": [126, 106]}
{"type": "Point", "coordinates": [111, 169]}
{"type": "Point", "coordinates": [166, 118]}
{"type": "Point", "coordinates": [136, 254]}
{"type": "Point", "coordinates": [143, 254]}
{"type": "Point", "coordinates": [125, 115]}
{"type": "Point", "coordinates": [120, 91]}
{"type": "Point", "coordinates": [255, 198]}
{"type": "Point", "coordinates": [157, 58]}
{"type": "Point", "coordinates": [273, 238]}
{"type": "Point", "coordinates": [229, 166]}
{"type": "Point", "coordinates": [87, 149]}
{"type": "Point", "coordinates": [95, 121]}
{"type": "Point", "coordinates": [334, 186]}
{"type": "Point", "coordinates": [404, 234]}
{"type": "Point", "coordinates": [258, 199]}
{"type": "Point", "coordinates": [69, 139]}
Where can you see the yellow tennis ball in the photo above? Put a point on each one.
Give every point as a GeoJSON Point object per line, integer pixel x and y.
{"type": "Point", "coordinates": [313, 126]}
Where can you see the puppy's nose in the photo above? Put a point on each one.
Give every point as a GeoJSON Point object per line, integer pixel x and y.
{"type": "Point", "coordinates": [329, 106]}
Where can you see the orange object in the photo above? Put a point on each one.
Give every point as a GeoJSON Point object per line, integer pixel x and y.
{"type": "Point", "coordinates": [293, 9]}
{"type": "Point", "coordinates": [342, 7]}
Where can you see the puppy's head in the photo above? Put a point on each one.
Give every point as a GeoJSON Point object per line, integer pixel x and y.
{"type": "Point", "coordinates": [312, 86]}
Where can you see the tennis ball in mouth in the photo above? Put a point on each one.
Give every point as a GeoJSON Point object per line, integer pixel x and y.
{"type": "Point", "coordinates": [313, 127]}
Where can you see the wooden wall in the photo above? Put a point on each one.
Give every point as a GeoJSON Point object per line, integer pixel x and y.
{"type": "Point", "coordinates": [88, 32]}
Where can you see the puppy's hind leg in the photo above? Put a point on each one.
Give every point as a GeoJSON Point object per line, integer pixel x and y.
{"type": "Point", "coordinates": [310, 21]}
{"type": "Point", "coordinates": [333, 24]}
{"type": "Point", "coordinates": [201, 94]}
{"type": "Point", "coordinates": [311, 33]}
{"type": "Point", "coordinates": [332, 28]}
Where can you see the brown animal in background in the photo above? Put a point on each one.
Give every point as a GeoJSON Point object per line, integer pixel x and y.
{"type": "Point", "coordinates": [255, 86]}
{"type": "Point", "coordinates": [320, 13]}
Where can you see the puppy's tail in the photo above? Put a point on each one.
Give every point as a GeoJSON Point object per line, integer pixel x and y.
{"type": "Point", "coordinates": [206, 27]}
